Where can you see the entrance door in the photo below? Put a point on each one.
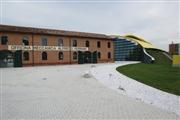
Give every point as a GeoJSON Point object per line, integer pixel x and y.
{"type": "Point", "coordinates": [80, 57]}
{"type": "Point", "coordinates": [6, 58]}
{"type": "Point", "coordinates": [87, 57]}
{"type": "Point", "coordinates": [94, 58]}
{"type": "Point", "coordinates": [18, 58]}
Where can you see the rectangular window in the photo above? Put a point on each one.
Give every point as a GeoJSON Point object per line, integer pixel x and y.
{"type": "Point", "coordinates": [44, 41]}
{"type": "Point", "coordinates": [74, 43]}
{"type": "Point", "coordinates": [99, 55]}
{"type": "Point", "coordinates": [26, 56]}
{"type": "Point", "coordinates": [61, 56]}
{"type": "Point", "coordinates": [98, 44]}
{"type": "Point", "coordinates": [44, 56]}
{"type": "Point", "coordinates": [60, 42]}
{"type": "Point", "coordinates": [25, 40]}
{"type": "Point", "coordinates": [74, 55]}
{"type": "Point", "coordinates": [109, 45]}
{"type": "Point", "coordinates": [4, 40]}
{"type": "Point", "coordinates": [109, 55]}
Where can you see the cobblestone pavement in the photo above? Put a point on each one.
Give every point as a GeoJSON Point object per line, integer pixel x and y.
{"type": "Point", "coordinates": [61, 92]}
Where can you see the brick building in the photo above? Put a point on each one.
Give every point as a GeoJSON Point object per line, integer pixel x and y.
{"type": "Point", "coordinates": [174, 48]}
{"type": "Point", "coordinates": [26, 46]}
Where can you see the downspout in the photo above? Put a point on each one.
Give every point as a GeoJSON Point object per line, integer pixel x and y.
{"type": "Point", "coordinates": [32, 49]}
{"type": "Point", "coordinates": [113, 41]}
{"type": "Point", "coordinates": [70, 49]}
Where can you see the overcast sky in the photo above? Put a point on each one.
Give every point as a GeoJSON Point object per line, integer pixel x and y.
{"type": "Point", "coordinates": [157, 21]}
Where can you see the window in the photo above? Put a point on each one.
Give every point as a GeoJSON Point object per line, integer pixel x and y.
{"type": "Point", "coordinates": [60, 42]}
{"type": "Point", "coordinates": [44, 56]}
{"type": "Point", "coordinates": [99, 55]}
{"type": "Point", "coordinates": [26, 56]}
{"type": "Point", "coordinates": [74, 43]}
{"type": "Point", "coordinates": [61, 56]}
{"type": "Point", "coordinates": [44, 41]}
{"type": "Point", "coordinates": [25, 40]}
{"type": "Point", "coordinates": [109, 45]}
{"type": "Point", "coordinates": [87, 44]}
{"type": "Point", "coordinates": [98, 44]}
{"type": "Point", "coordinates": [74, 55]}
{"type": "Point", "coordinates": [4, 40]}
{"type": "Point", "coordinates": [109, 55]}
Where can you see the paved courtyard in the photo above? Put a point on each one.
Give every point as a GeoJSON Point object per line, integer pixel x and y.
{"type": "Point", "coordinates": [61, 92]}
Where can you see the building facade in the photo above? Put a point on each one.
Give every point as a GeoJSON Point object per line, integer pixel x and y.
{"type": "Point", "coordinates": [133, 48]}
{"type": "Point", "coordinates": [126, 50]}
{"type": "Point", "coordinates": [174, 49]}
{"type": "Point", "coordinates": [25, 46]}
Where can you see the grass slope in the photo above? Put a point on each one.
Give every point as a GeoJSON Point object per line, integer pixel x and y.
{"type": "Point", "coordinates": [160, 76]}
{"type": "Point", "coordinates": [160, 58]}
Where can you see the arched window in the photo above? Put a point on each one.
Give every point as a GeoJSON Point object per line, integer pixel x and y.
{"type": "Point", "coordinates": [74, 43]}
{"type": "Point", "coordinates": [60, 42]}
{"type": "Point", "coordinates": [61, 56]}
{"type": "Point", "coordinates": [109, 45]}
{"type": "Point", "coordinates": [99, 55]}
{"type": "Point", "coordinates": [87, 43]}
{"type": "Point", "coordinates": [74, 55]}
{"type": "Point", "coordinates": [44, 56]}
{"type": "Point", "coordinates": [26, 56]}
{"type": "Point", "coordinates": [109, 55]}
{"type": "Point", "coordinates": [4, 40]}
{"type": "Point", "coordinates": [25, 40]}
{"type": "Point", "coordinates": [98, 44]}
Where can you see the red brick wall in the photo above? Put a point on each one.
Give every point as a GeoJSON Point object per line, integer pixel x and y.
{"type": "Point", "coordinates": [173, 49]}
{"type": "Point", "coordinates": [16, 39]}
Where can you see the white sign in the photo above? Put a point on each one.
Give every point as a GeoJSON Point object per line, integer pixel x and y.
{"type": "Point", "coordinates": [46, 48]}
{"type": "Point", "coordinates": [79, 48]}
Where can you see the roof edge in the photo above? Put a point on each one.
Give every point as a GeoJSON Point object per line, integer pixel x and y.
{"type": "Point", "coordinates": [33, 30]}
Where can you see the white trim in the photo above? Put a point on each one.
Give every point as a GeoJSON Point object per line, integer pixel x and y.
{"type": "Point", "coordinates": [152, 58]}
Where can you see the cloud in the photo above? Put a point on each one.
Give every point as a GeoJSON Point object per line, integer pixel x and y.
{"type": "Point", "coordinates": [156, 21]}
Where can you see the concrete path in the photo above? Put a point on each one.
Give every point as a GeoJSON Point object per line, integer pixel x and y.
{"type": "Point", "coordinates": [61, 92]}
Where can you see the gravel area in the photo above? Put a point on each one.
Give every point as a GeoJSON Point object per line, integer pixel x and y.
{"type": "Point", "coordinates": [110, 77]}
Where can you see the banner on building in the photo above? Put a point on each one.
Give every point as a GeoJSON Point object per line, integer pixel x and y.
{"type": "Point", "coordinates": [46, 48]}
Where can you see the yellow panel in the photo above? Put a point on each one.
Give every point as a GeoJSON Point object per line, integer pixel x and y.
{"type": "Point", "coordinates": [137, 38]}
{"type": "Point", "coordinates": [176, 59]}
{"type": "Point", "coordinates": [142, 42]}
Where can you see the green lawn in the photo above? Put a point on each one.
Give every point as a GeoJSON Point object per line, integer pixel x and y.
{"type": "Point", "coordinates": [160, 76]}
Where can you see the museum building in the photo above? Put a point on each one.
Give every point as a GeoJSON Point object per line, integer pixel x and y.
{"type": "Point", "coordinates": [27, 46]}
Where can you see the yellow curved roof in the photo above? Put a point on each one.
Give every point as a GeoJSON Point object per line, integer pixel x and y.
{"type": "Point", "coordinates": [142, 42]}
